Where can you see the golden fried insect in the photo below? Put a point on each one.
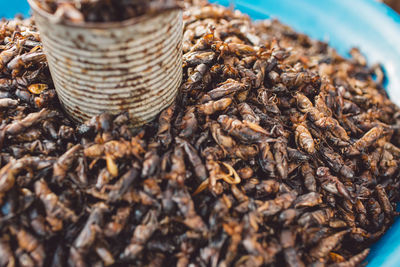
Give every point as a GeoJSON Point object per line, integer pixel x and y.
{"type": "Point", "coordinates": [304, 139]}
{"type": "Point", "coordinates": [123, 184]}
{"type": "Point", "coordinates": [303, 102]}
{"type": "Point", "coordinates": [245, 152]}
{"type": "Point", "coordinates": [332, 125]}
{"type": "Point", "coordinates": [286, 217]}
{"type": "Point", "coordinates": [29, 136]}
{"type": "Point", "coordinates": [105, 255]}
{"type": "Point", "coordinates": [308, 200]}
{"type": "Point", "coordinates": [260, 67]}
{"type": "Point", "coordinates": [367, 140]}
{"type": "Point", "coordinates": [199, 57]}
{"type": "Point", "coordinates": [178, 166]}
{"type": "Point", "coordinates": [353, 261]}
{"type": "Point", "coordinates": [116, 149]}
{"type": "Point", "coordinates": [37, 88]}
{"type": "Point", "coordinates": [295, 79]}
{"type": "Point", "coordinates": [186, 205]}
{"type": "Point", "coordinates": [212, 107]}
{"type": "Point", "coordinates": [215, 174]}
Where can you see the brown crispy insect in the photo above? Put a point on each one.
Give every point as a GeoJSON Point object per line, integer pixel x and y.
{"type": "Point", "coordinates": [117, 223]}
{"type": "Point", "coordinates": [327, 244]}
{"type": "Point", "coordinates": [332, 183]}
{"type": "Point", "coordinates": [309, 177]}
{"type": "Point", "coordinates": [30, 244]}
{"type": "Point", "coordinates": [141, 234]}
{"type": "Point", "coordinates": [280, 155]}
{"type": "Point", "coordinates": [271, 207]}
{"type": "Point", "coordinates": [189, 123]}
{"type": "Point", "coordinates": [246, 131]}
{"type": "Point", "coordinates": [228, 87]}
{"type": "Point", "coordinates": [88, 234]}
{"type": "Point", "coordinates": [62, 165]}
{"type": "Point", "coordinates": [247, 113]}
{"type": "Point", "coordinates": [150, 163]}
{"type": "Point", "coordinates": [8, 54]}
{"type": "Point", "coordinates": [199, 168]}
{"type": "Point", "coordinates": [164, 134]}
{"type": "Point", "coordinates": [224, 141]}
{"type": "Point", "coordinates": [22, 61]}
{"type": "Point", "coordinates": [336, 163]}
{"type": "Point", "coordinates": [18, 126]}
{"type": "Point", "coordinates": [54, 208]}
{"type": "Point", "coordinates": [9, 172]}
{"type": "Point", "coordinates": [123, 184]}
{"type": "Point", "coordinates": [7, 257]}
{"type": "Point", "coordinates": [384, 200]}
{"type": "Point", "coordinates": [318, 217]}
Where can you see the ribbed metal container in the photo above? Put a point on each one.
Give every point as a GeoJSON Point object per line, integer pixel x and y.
{"type": "Point", "coordinates": [134, 65]}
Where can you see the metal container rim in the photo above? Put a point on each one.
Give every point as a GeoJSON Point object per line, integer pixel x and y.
{"type": "Point", "coordinates": [94, 25]}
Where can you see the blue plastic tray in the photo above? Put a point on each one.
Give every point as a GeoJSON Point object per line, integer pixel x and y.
{"type": "Point", "coordinates": [367, 24]}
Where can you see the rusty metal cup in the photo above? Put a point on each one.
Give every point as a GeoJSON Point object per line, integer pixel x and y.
{"type": "Point", "coordinates": [134, 65]}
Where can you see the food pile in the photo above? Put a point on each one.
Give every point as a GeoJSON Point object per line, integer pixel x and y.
{"type": "Point", "coordinates": [104, 10]}
{"type": "Point", "coordinates": [277, 152]}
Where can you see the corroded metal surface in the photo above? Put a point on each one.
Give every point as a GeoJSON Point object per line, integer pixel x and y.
{"type": "Point", "coordinates": [133, 66]}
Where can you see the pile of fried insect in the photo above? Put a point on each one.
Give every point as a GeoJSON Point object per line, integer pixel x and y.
{"type": "Point", "coordinates": [278, 151]}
